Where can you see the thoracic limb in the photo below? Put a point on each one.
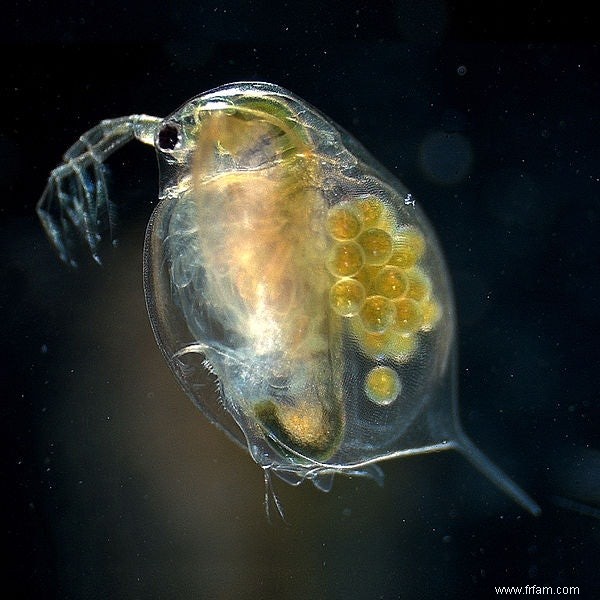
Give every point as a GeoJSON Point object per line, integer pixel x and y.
{"type": "Point", "coordinates": [75, 203]}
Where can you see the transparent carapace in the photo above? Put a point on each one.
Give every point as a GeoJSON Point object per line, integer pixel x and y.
{"type": "Point", "coordinates": [285, 260]}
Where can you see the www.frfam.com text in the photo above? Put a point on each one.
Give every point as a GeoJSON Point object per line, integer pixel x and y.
{"type": "Point", "coordinates": [537, 590]}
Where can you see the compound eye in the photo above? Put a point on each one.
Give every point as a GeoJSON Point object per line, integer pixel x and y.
{"type": "Point", "coordinates": [168, 136]}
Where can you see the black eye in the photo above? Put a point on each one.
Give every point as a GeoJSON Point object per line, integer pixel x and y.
{"type": "Point", "coordinates": [168, 136]}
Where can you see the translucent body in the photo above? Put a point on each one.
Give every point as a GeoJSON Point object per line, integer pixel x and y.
{"type": "Point", "coordinates": [290, 264]}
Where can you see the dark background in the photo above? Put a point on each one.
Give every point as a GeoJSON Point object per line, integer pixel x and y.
{"type": "Point", "coordinates": [114, 485]}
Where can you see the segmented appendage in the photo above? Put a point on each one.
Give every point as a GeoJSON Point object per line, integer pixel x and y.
{"type": "Point", "coordinates": [75, 204]}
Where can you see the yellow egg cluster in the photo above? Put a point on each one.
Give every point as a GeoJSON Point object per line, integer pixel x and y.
{"type": "Point", "coordinates": [380, 286]}
{"type": "Point", "coordinates": [382, 385]}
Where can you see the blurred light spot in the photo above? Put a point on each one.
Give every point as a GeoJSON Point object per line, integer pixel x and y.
{"type": "Point", "coordinates": [446, 157]}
